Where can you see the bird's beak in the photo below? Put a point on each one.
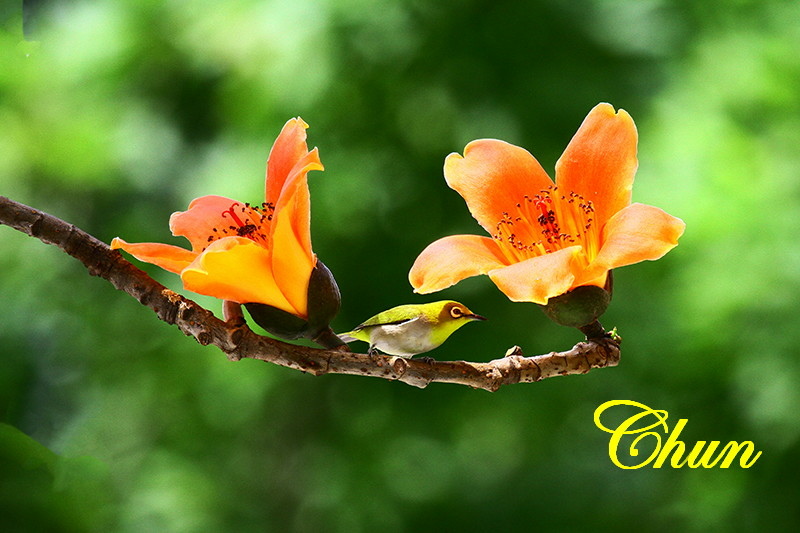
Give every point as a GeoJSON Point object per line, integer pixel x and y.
{"type": "Point", "coordinates": [475, 317]}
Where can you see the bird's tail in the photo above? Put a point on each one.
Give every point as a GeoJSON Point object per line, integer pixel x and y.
{"type": "Point", "coordinates": [346, 337]}
{"type": "Point", "coordinates": [355, 335]}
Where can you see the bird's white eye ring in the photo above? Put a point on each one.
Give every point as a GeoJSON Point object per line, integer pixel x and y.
{"type": "Point", "coordinates": [456, 312]}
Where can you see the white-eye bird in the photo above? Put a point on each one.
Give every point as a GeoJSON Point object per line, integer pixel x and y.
{"type": "Point", "coordinates": [408, 330]}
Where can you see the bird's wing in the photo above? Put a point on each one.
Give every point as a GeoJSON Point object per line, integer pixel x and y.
{"type": "Point", "coordinates": [362, 331]}
{"type": "Point", "coordinates": [379, 320]}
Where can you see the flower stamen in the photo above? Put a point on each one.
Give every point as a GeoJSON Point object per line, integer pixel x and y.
{"type": "Point", "coordinates": [248, 221]}
{"type": "Point", "coordinates": [230, 211]}
{"type": "Point", "coordinates": [546, 223]}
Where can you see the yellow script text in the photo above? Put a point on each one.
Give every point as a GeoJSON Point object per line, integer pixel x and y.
{"type": "Point", "coordinates": [643, 423]}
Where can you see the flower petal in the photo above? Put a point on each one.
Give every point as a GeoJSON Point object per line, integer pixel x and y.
{"type": "Point", "coordinates": [451, 259]}
{"type": "Point", "coordinates": [293, 205]}
{"type": "Point", "coordinates": [539, 278]}
{"type": "Point", "coordinates": [289, 148]}
{"type": "Point", "coordinates": [287, 190]}
{"type": "Point", "coordinates": [205, 214]}
{"type": "Point", "coordinates": [292, 258]}
{"type": "Point", "coordinates": [494, 176]}
{"type": "Point", "coordinates": [600, 161]}
{"type": "Point", "coordinates": [237, 269]}
{"type": "Point", "coordinates": [637, 233]}
{"type": "Point", "coordinates": [166, 256]}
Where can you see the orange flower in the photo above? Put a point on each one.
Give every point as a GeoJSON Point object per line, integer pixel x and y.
{"type": "Point", "coordinates": [248, 253]}
{"type": "Point", "coordinates": [547, 239]}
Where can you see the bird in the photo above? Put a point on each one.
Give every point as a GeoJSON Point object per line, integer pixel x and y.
{"type": "Point", "coordinates": [408, 330]}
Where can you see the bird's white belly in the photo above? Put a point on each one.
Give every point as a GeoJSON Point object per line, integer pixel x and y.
{"type": "Point", "coordinates": [404, 340]}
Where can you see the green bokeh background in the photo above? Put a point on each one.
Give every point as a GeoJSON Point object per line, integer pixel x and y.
{"type": "Point", "coordinates": [115, 114]}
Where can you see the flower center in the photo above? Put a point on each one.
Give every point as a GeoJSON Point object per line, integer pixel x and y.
{"type": "Point", "coordinates": [548, 222]}
{"type": "Point", "coordinates": [248, 221]}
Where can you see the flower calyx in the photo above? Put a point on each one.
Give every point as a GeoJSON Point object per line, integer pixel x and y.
{"type": "Point", "coordinates": [580, 307]}
{"type": "Point", "coordinates": [324, 302]}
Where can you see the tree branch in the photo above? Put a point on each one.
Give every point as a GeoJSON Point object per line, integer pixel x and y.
{"type": "Point", "coordinates": [238, 341]}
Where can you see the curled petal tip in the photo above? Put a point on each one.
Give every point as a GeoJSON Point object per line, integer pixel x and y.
{"type": "Point", "coordinates": [315, 163]}
{"type": "Point", "coordinates": [298, 121]}
{"type": "Point", "coordinates": [605, 107]}
{"type": "Point", "coordinates": [455, 156]}
{"type": "Point", "coordinates": [608, 110]}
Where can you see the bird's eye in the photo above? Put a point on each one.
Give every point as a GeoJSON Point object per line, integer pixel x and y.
{"type": "Point", "coordinates": [456, 312]}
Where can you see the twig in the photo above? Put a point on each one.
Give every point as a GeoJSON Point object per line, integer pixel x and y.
{"type": "Point", "coordinates": [238, 341]}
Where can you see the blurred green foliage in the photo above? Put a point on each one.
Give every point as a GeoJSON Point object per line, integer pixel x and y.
{"type": "Point", "coordinates": [115, 114]}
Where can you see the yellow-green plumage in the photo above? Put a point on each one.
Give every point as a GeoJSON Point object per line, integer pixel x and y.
{"type": "Point", "coordinates": [408, 330]}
